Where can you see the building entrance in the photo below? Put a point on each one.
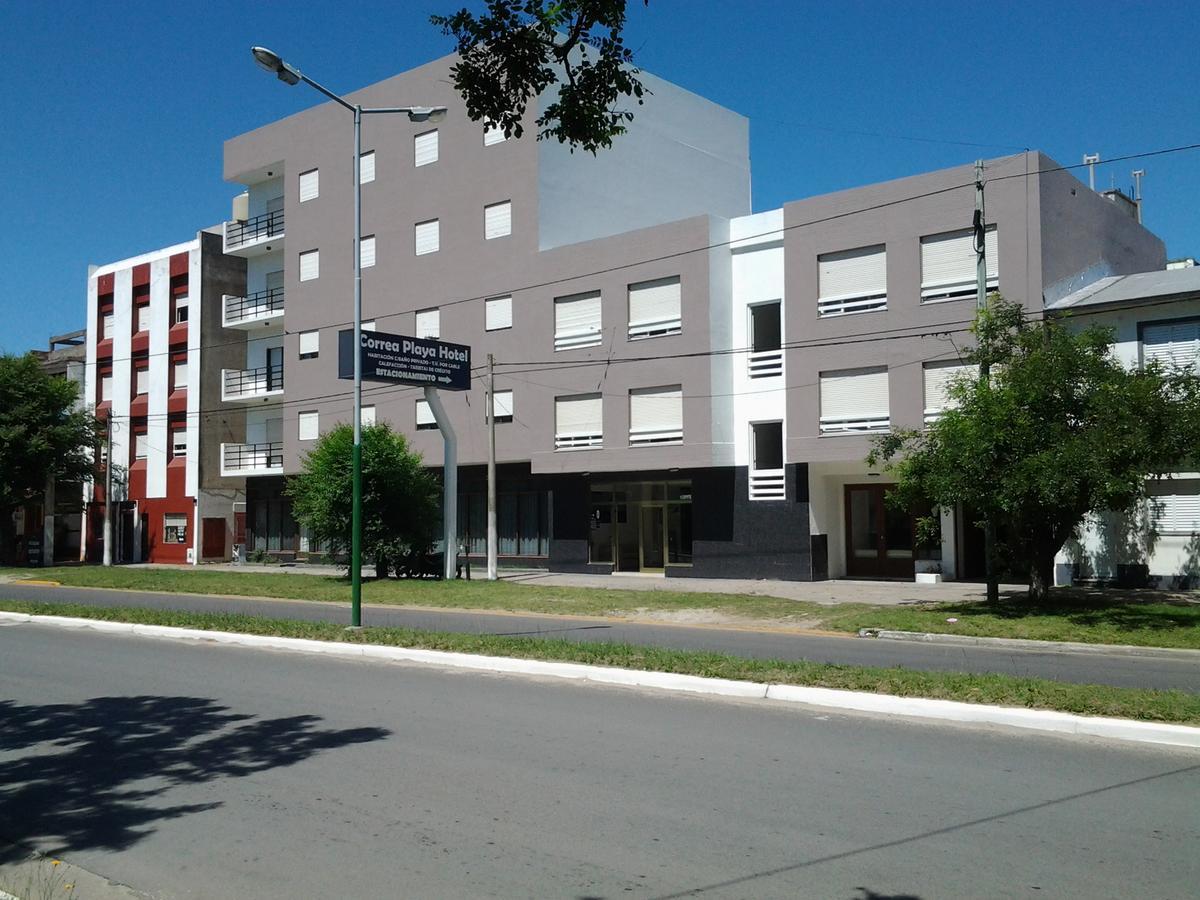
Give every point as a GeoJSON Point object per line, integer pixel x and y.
{"type": "Point", "coordinates": [879, 540]}
{"type": "Point", "coordinates": [642, 526]}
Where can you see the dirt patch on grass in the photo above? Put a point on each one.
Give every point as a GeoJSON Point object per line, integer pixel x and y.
{"type": "Point", "coordinates": [715, 617]}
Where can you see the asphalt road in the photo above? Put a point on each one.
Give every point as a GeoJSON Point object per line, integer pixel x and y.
{"type": "Point", "coordinates": [1117, 670]}
{"type": "Point", "coordinates": [199, 771]}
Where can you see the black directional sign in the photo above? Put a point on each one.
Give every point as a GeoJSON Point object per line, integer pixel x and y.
{"type": "Point", "coordinates": [398, 359]}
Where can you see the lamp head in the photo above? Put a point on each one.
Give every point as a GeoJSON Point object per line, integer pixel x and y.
{"type": "Point", "coordinates": [427, 114]}
{"type": "Point", "coordinates": [273, 62]}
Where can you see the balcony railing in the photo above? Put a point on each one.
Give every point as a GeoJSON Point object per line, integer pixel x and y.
{"type": "Point", "coordinates": [245, 459]}
{"type": "Point", "coordinates": [253, 307]}
{"type": "Point", "coordinates": [239, 233]}
{"type": "Point", "coordinates": [765, 364]}
{"type": "Point", "coordinates": [241, 384]}
{"type": "Point", "coordinates": [767, 484]}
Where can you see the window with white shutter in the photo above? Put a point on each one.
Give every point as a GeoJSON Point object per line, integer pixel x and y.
{"type": "Point", "coordinates": [493, 136]}
{"type": "Point", "coordinates": [180, 376]}
{"type": "Point", "coordinates": [106, 383]}
{"type": "Point", "coordinates": [310, 344]}
{"type": "Point", "coordinates": [142, 382]}
{"type": "Point", "coordinates": [938, 378]}
{"type": "Point", "coordinates": [948, 264]}
{"type": "Point", "coordinates": [309, 425]}
{"type": "Point", "coordinates": [141, 446]}
{"type": "Point", "coordinates": [425, 148]}
{"type": "Point", "coordinates": [143, 318]}
{"type": "Point", "coordinates": [854, 400]}
{"type": "Point", "coordinates": [428, 237]}
{"type": "Point", "coordinates": [366, 167]}
{"type": "Point", "coordinates": [852, 281]}
{"type": "Point", "coordinates": [310, 185]}
{"type": "Point", "coordinates": [654, 308]}
{"type": "Point", "coordinates": [366, 251]}
{"type": "Point", "coordinates": [497, 313]}
{"type": "Point", "coordinates": [656, 416]}
{"type": "Point", "coordinates": [368, 416]}
{"type": "Point", "coordinates": [310, 265]}
{"type": "Point", "coordinates": [179, 442]}
{"type": "Point", "coordinates": [1173, 345]}
{"type": "Point", "coordinates": [577, 321]}
{"type": "Point", "coordinates": [497, 220]}
{"type": "Point", "coordinates": [181, 308]}
{"type": "Point", "coordinates": [429, 323]}
{"type": "Point", "coordinates": [578, 422]}
{"type": "Point", "coordinates": [502, 406]}
{"type": "Point", "coordinates": [1177, 512]}
{"type": "Point", "coordinates": [107, 327]}
{"type": "Point", "coordinates": [425, 419]}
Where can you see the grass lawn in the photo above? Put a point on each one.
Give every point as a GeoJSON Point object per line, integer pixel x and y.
{"type": "Point", "coordinates": [1095, 700]}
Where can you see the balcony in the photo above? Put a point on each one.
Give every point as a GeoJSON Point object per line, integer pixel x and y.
{"type": "Point", "coordinates": [251, 459]}
{"type": "Point", "coordinates": [248, 385]}
{"type": "Point", "coordinates": [255, 236]}
{"type": "Point", "coordinates": [254, 310]}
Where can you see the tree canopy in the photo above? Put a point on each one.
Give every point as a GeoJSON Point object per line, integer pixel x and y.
{"type": "Point", "coordinates": [1060, 430]}
{"type": "Point", "coordinates": [517, 49]}
{"type": "Point", "coordinates": [400, 496]}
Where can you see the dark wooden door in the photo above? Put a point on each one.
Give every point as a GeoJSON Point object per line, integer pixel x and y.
{"type": "Point", "coordinates": [213, 539]}
{"type": "Point", "coordinates": [879, 540]}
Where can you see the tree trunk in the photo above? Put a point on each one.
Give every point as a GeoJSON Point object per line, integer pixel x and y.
{"type": "Point", "coordinates": [1041, 576]}
{"type": "Point", "coordinates": [381, 567]}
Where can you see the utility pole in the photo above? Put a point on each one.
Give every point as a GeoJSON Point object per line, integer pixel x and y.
{"type": "Point", "coordinates": [989, 527]}
{"type": "Point", "coordinates": [492, 539]}
{"type": "Point", "coordinates": [108, 462]}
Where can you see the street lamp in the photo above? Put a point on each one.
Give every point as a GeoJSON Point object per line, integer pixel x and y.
{"type": "Point", "coordinates": [289, 74]}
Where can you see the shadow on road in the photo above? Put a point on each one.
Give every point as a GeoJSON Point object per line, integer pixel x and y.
{"type": "Point", "coordinates": [97, 773]}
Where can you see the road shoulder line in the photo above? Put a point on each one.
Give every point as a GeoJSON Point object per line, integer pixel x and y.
{"type": "Point", "coordinates": [968, 640]}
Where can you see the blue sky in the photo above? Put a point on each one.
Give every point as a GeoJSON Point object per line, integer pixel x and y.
{"type": "Point", "coordinates": [114, 113]}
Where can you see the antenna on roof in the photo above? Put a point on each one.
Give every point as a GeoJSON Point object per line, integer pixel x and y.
{"type": "Point", "coordinates": [1138, 175]}
{"type": "Point", "coordinates": [1090, 160]}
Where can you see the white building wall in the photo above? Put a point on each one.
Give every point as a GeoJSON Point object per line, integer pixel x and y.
{"type": "Point", "coordinates": [195, 288]}
{"type": "Point", "coordinates": [263, 193]}
{"type": "Point", "coordinates": [257, 268]}
{"type": "Point", "coordinates": [156, 410]}
{"type": "Point", "coordinates": [91, 384]}
{"type": "Point", "coordinates": [121, 373]}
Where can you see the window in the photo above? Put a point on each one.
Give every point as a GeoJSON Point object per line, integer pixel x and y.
{"type": "Point", "coordinates": [174, 529]}
{"type": "Point", "coordinates": [428, 323]}
{"type": "Point", "coordinates": [427, 237]}
{"type": "Point", "coordinates": [180, 375]}
{"type": "Point", "coordinates": [368, 416]}
{"type": "Point", "coordinates": [656, 416]}
{"type": "Point", "coordinates": [143, 317]}
{"type": "Point", "coordinates": [142, 381]}
{"type": "Point", "coordinates": [578, 422]}
{"type": "Point", "coordinates": [577, 321]}
{"type": "Point", "coordinates": [493, 135]}
{"type": "Point", "coordinates": [938, 378]}
{"type": "Point", "coordinates": [366, 252]}
{"type": "Point", "coordinates": [366, 167]}
{"type": "Point", "coordinates": [141, 446]}
{"type": "Point", "coordinates": [425, 419]}
{"type": "Point", "coordinates": [1177, 512]}
{"type": "Point", "coordinates": [425, 148]}
{"type": "Point", "coordinates": [107, 327]}
{"type": "Point", "coordinates": [654, 308]}
{"type": "Point", "coordinates": [497, 220]}
{"type": "Point", "coordinates": [310, 185]}
{"type": "Point", "coordinates": [497, 313]}
{"type": "Point", "coordinates": [948, 264]}
{"type": "Point", "coordinates": [1172, 344]}
{"type": "Point", "coordinates": [854, 400]}
{"type": "Point", "coordinates": [766, 348]}
{"type": "Point", "coordinates": [852, 281]}
{"type": "Point", "coordinates": [181, 308]}
{"type": "Point", "coordinates": [309, 425]}
{"type": "Point", "coordinates": [767, 477]}
{"type": "Point", "coordinates": [106, 388]}
{"type": "Point", "coordinates": [310, 265]}
{"type": "Point", "coordinates": [310, 344]}
{"type": "Point", "coordinates": [179, 442]}
{"type": "Point", "coordinates": [502, 406]}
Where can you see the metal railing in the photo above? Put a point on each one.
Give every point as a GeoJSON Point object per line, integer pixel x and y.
{"type": "Point", "coordinates": [253, 306]}
{"type": "Point", "coordinates": [251, 457]}
{"type": "Point", "coordinates": [251, 382]}
{"type": "Point", "coordinates": [239, 232]}
{"type": "Point", "coordinates": [767, 484]}
{"type": "Point", "coordinates": [765, 364]}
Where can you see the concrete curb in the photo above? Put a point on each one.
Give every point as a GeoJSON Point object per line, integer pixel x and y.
{"type": "Point", "coordinates": [945, 710]}
{"type": "Point", "coordinates": [966, 640]}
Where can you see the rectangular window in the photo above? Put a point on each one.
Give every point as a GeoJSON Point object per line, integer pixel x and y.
{"type": "Point", "coordinates": [141, 445]}
{"type": "Point", "coordinates": [143, 317]}
{"type": "Point", "coordinates": [179, 442]}
{"type": "Point", "coordinates": [497, 220]}
{"type": "Point", "coordinates": [366, 251]}
{"type": "Point", "coordinates": [493, 136]}
{"type": "Point", "coordinates": [497, 313]}
{"type": "Point", "coordinates": [142, 381]}
{"type": "Point", "coordinates": [948, 263]}
{"type": "Point", "coordinates": [180, 376]}
{"type": "Point", "coordinates": [854, 400]}
{"type": "Point", "coordinates": [656, 416]}
{"type": "Point", "coordinates": [310, 344]}
{"type": "Point", "coordinates": [938, 378]}
{"type": "Point", "coordinates": [425, 148]}
{"type": "Point", "coordinates": [425, 419]}
{"type": "Point", "coordinates": [107, 327]}
{"type": "Point", "coordinates": [310, 265]}
{"type": "Point", "coordinates": [427, 237]}
{"type": "Point", "coordinates": [852, 281]}
{"type": "Point", "coordinates": [309, 423]}
{"type": "Point", "coordinates": [578, 422]}
{"type": "Point", "coordinates": [1177, 512]}
{"type": "Point", "coordinates": [105, 388]}
{"type": "Point", "coordinates": [175, 529]}
{"type": "Point", "coordinates": [429, 323]}
{"type": "Point", "coordinates": [502, 406]}
{"type": "Point", "coordinates": [368, 416]}
{"type": "Point", "coordinates": [767, 476]}
{"type": "Point", "coordinates": [766, 334]}
{"type": "Point", "coordinates": [1173, 345]}
{"type": "Point", "coordinates": [366, 167]}
{"type": "Point", "coordinates": [654, 308]}
{"type": "Point", "coordinates": [310, 186]}
{"type": "Point", "coordinates": [181, 308]}
{"type": "Point", "coordinates": [577, 321]}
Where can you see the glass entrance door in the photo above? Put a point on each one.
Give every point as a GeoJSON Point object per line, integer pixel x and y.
{"type": "Point", "coordinates": [879, 539]}
{"type": "Point", "coordinates": [653, 534]}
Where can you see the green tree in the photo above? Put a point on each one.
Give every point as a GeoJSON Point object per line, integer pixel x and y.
{"type": "Point", "coordinates": [400, 496]}
{"type": "Point", "coordinates": [1060, 430]}
{"type": "Point", "coordinates": [518, 49]}
{"type": "Point", "coordinates": [42, 436]}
